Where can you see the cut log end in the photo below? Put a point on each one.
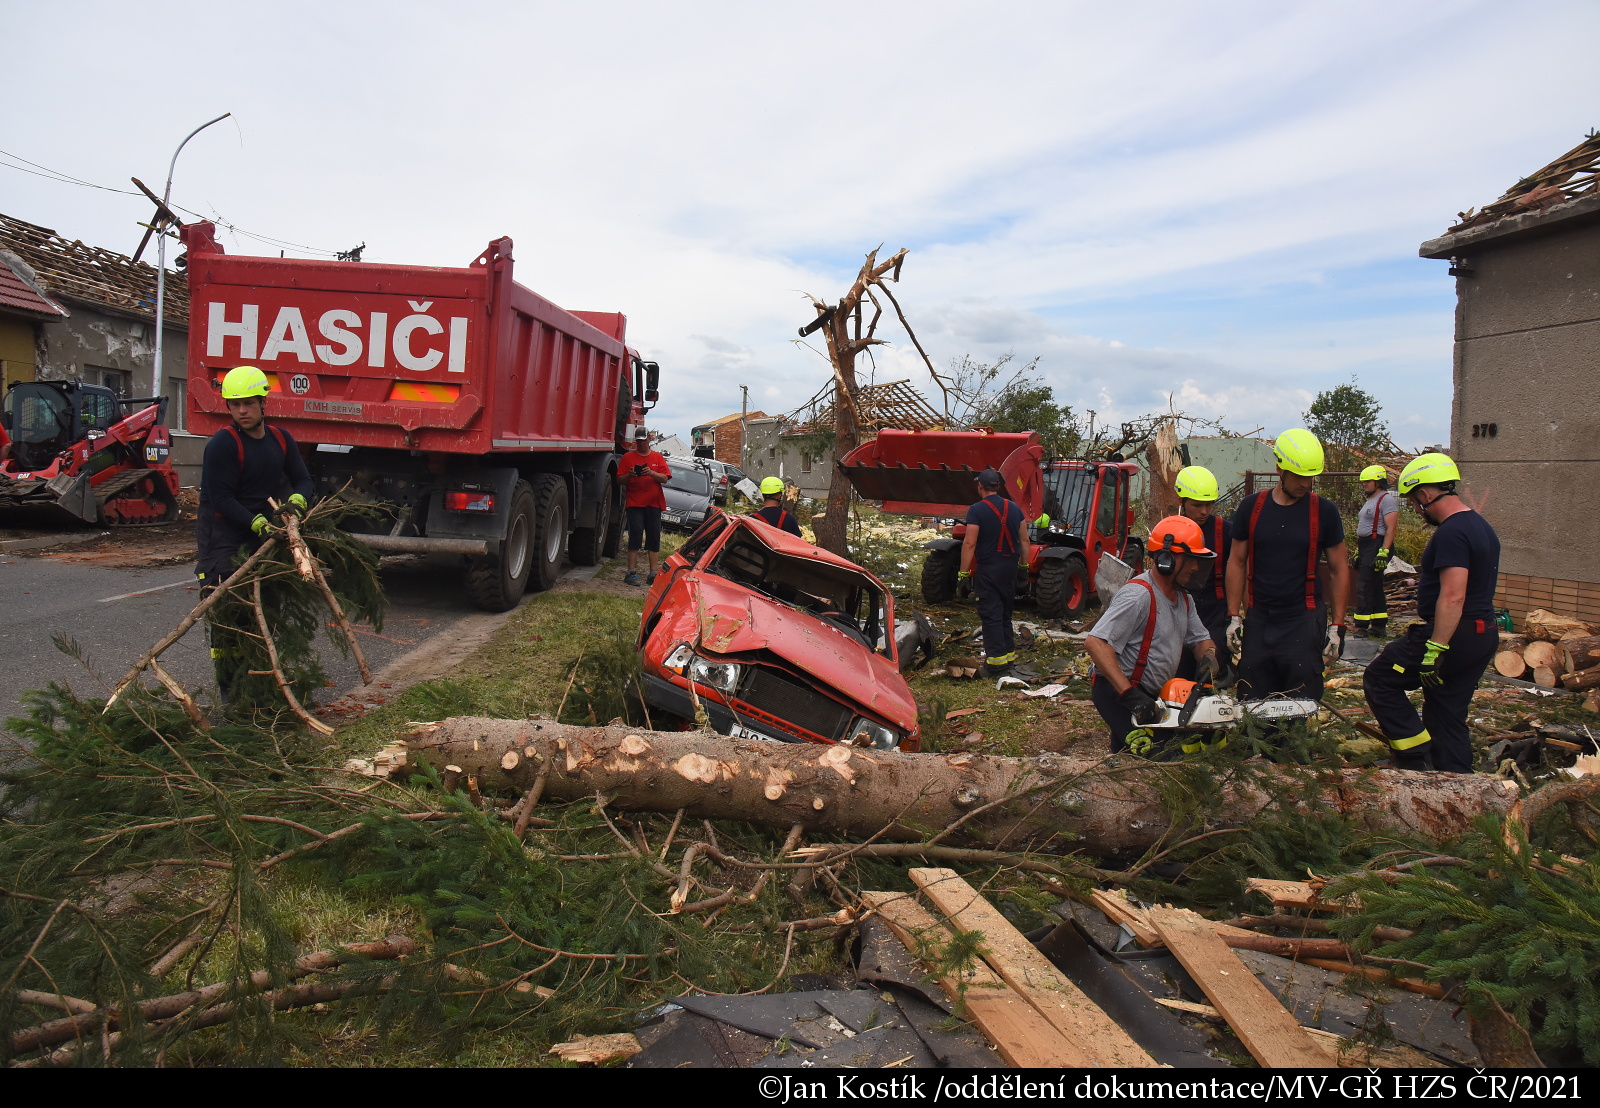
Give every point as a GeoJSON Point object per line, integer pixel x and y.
{"type": "Point", "coordinates": [1509, 663]}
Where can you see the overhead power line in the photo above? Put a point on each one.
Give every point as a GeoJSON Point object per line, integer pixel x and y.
{"type": "Point", "coordinates": [67, 179]}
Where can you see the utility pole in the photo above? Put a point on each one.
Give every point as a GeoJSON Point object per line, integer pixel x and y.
{"type": "Point", "coordinates": [161, 255]}
{"type": "Point", "coordinates": [744, 427]}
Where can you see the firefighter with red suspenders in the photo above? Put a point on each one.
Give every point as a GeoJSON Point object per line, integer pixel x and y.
{"type": "Point", "coordinates": [1278, 624]}
{"type": "Point", "coordinates": [996, 536]}
{"type": "Point", "coordinates": [245, 463]}
{"type": "Point", "coordinates": [1197, 491]}
{"type": "Point", "coordinates": [1150, 624]}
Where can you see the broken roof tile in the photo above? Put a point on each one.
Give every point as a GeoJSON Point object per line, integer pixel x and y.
{"type": "Point", "coordinates": [91, 274]}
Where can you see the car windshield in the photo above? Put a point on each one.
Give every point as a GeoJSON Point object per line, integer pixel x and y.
{"type": "Point", "coordinates": [690, 479]}
{"type": "Point", "coordinates": [1067, 493]}
{"type": "Point", "coordinates": [846, 599]}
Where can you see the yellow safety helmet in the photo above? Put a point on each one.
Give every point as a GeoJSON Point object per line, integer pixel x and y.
{"type": "Point", "coordinates": [1428, 469]}
{"type": "Point", "coordinates": [771, 486]}
{"type": "Point", "coordinates": [1196, 483]}
{"type": "Point", "coordinates": [1299, 452]}
{"type": "Point", "coordinates": [1374, 473]}
{"type": "Point", "coordinates": [243, 382]}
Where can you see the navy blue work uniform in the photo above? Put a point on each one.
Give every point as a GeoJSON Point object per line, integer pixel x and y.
{"type": "Point", "coordinates": [237, 476]}
{"type": "Point", "coordinates": [994, 574]}
{"type": "Point", "coordinates": [1210, 593]}
{"type": "Point", "coordinates": [1440, 735]}
{"type": "Point", "coordinates": [780, 518]}
{"type": "Point", "coordinates": [1285, 617]}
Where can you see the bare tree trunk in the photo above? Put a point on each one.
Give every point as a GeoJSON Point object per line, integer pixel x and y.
{"type": "Point", "coordinates": [843, 349]}
{"type": "Point", "coordinates": [1110, 807]}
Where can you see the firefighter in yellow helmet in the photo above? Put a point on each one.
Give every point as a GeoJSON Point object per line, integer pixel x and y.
{"type": "Point", "coordinates": [1197, 491]}
{"type": "Point", "coordinates": [244, 463]}
{"type": "Point", "coordinates": [1375, 531]}
{"type": "Point", "coordinates": [1445, 653]}
{"type": "Point", "coordinates": [1278, 625]}
{"type": "Point", "coordinates": [772, 510]}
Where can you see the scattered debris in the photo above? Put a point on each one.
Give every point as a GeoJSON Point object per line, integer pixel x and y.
{"type": "Point", "coordinates": [597, 1050]}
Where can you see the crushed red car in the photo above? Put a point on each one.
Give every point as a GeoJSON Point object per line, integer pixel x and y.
{"type": "Point", "coordinates": [778, 639]}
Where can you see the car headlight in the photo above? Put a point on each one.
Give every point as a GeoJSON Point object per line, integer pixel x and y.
{"type": "Point", "coordinates": [867, 733]}
{"type": "Point", "coordinates": [722, 676]}
{"type": "Point", "coordinates": [678, 658]}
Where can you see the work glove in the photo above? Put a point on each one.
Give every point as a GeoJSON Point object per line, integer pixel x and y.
{"type": "Point", "coordinates": [963, 574]}
{"type": "Point", "coordinates": [1141, 705]}
{"type": "Point", "coordinates": [1235, 636]}
{"type": "Point", "coordinates": [261, 525]}
{"type": "Point", "coordinates": [296, 504]}
{"type": "Point", "coordinates": [1380, 561]}
{"type": "Point", "coordinates": [1206, 669]}
{"type": "Point", "coordinates": [1429, 669]}
{"type": "Point", "coordinates": [1140, 741]}
{"type": "Point", "coordinates": [1335, 645]}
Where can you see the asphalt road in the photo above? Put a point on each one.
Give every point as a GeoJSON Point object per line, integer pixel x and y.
{"type": "Point", "coordinates": [116, 614]}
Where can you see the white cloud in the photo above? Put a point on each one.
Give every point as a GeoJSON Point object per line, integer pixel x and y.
{"type": "Point", "coordinates": [1156, 198]}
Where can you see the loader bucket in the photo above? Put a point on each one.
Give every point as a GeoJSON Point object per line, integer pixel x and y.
{"type": "Point", "coordinates": [934, 473]}
{"type": "Point", "coordinates": [61, 499]}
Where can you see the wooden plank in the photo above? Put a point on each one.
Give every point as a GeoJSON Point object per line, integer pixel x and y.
{"type": "Point", "coordinates": [1269, 1032]}
{"type": "Point", "coordinates": [1031, 974]}
{"type": "Point", "coordinates": [1115, 907]}
{"type": "Point", "coordinates": [1295, 894]}
{"type": "Point", "coordinates": [1023, 1037]}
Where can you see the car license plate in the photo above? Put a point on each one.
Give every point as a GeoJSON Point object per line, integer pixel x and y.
{"type": "Point", "coordinates": [672, 517]}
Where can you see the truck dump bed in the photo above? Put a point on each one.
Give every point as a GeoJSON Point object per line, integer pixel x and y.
{"type": "Point", "coordinates": [459, 361]}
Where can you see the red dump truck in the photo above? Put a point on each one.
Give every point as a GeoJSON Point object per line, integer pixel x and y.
{"type": "Point", "coordinates": [483, 418]}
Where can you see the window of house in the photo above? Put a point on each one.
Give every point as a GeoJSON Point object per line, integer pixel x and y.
{"type": "Point", "coordinates": [772, 451]}
{"type": "Point", "coordinates": [805, 463]}
{"type": "Point", "coordinates": [178, 404]}
{"type": "Point", "coordinates": [118, 381]}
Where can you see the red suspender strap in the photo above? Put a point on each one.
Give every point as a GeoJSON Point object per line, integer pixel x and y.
{"type": "Point", "coordinates": [1149, 633]}
{"type": "Point", "coordinates": [283, 442]}
{"type": "Point", "coordinates": [783, 518]}
{"type": "Point", "coordinates": [1010, 544]}
{"type": "Point", "coordinates": [1311, 555]}
{"type": "Point", "coordinates": [237, 442]}
{"type": "Point", "coordinates": [1250, 552]}
{"type": "Point", "coordinates": [1220, 567]}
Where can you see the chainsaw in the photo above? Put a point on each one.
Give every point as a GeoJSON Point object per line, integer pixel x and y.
{"type": "Point", "coordinates": [1199, 716]}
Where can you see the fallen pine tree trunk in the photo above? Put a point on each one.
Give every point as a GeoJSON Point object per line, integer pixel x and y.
{"type": "Point", "coordinates": [1110, 807]}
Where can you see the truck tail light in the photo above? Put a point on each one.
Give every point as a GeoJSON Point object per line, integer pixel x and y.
{"type": "Point", "coordinates": [459, 500]}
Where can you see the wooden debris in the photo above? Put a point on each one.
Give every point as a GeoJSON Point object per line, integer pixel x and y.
{"type": "Point", "coordinates": [1580, 653]}
{"type": "Point", "coordinates": [1115, 907]}
{"type": "Point", "coordinates": [1539, 654]}
{"type": "Point", "coordinates": [1030, 973]}
{"type": "Point", "coordinates": [1582, 679]}
{"type": "Point", "coordinates": [1353, 1054]}
{"type": "Point", "coordinates": [1510, 663]}
{"type": "Point", "coordinates": [597, 1050]}
{"type": "Point", "coordinates": [1268, 1031]}
{"type": "Point", "coordinates": [1023, 1037]}
{"type": "Point", "coordinates": [1296, 894]}
{"type": "Point", "coordinates": [1549, 626]}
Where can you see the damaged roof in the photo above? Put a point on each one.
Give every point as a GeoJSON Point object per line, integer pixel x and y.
{"type": "Point", "coordinates": [76, 271]}
{"type": "Point", "coordinates": [1576, 173]}
{"type": "Point", "coordinates": [18, 291]}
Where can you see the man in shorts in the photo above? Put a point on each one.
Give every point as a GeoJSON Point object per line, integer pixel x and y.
{"type": "Point", "coordinates": [642, 473]}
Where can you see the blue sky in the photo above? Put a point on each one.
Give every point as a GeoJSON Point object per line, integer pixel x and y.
{"type": "Point", "coordinates": [1221, 202]}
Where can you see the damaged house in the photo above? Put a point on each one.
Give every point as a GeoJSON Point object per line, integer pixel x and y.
{"type": "Point", "coordinates": [69, 310]}
{"type": "Point", "coordinates": [1526, 416]}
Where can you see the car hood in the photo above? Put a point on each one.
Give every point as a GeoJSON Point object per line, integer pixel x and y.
{"type": "Point", "coordinates": [735, 620]}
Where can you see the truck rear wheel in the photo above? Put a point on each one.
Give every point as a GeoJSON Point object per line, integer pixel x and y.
{"type": "Point", "coordinates": [939, 575]}
{"type": "Point", "coordinates": [496, 582]}
{"type": "Point", "coordinates": [587, 545]}
{"type": "Point", "coordinates": [551, 514]}
{"type": "Point", "coordinates": [1063, 590]}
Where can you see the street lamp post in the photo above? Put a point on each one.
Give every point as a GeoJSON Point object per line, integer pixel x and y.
{"type": "Point", "coordinates": [161, 254]}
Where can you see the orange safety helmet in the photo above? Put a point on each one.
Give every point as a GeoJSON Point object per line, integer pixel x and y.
{"type": "Point", "coordinates": [1181, 535]}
